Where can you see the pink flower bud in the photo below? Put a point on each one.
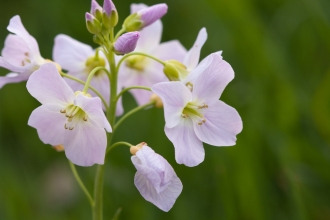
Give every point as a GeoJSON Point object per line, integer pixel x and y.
{"type": "Point", "coordinates": [95, 6]}
{"type": "Point", "coordinates": [126, 43]}
{"type": "Point", "coordinates": [151, 14]}
{"type": "Point", "coordinates": [108, 7]}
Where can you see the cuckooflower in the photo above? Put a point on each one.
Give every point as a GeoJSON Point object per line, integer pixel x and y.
{"type": "Point", "coordinates": [126, 43]}
{"type": "Point", "coordinates": [194, 113]}
{"type": "Point", "coordinates": [142, 71]}
{"type": "Point", "coordinates": [74, 120]}
{"type": "Point", "coordinates": [20, 55]}
{"type": "Point", "coordinates": [79, 60]}
{"type": "Point", "coordinates": [155, 178]}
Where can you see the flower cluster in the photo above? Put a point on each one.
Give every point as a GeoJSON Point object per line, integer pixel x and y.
{"type": "Point", "coordinates": [79, 106]}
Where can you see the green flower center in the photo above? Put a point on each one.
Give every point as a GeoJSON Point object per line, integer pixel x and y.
{"type": "Point", "coordinates": [93, 62]}
{"type": "Point", "coordinates": [195, 111]}
{"type": "Point", "coordinates": [136, 62]}
{"type": "Point", "coordinates": [75, 115]}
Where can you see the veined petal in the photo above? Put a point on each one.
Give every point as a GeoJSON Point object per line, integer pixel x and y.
{"type": "Point", "coordinates": [15, 50]}
{"type": "Point", "coordinates": [222, 125]}
{"type": "Point", "coordinates": [49, 123]}
{"type": "Point", "coordinates": [175, 96]}
{"type": "Point", "coordinates": [210, 84]}
{"type": "Point", "coordinates": [47, 86]}
{"type": "Point", "coordinates": [5, 64]}
{"type": "Point", "coordinates": [170, 50]}
{"type": "Point", "coordinates": [15, 26]}
{"type": "Point", "coordinates": [70, 53]}
{"type": "Point", "coordinates": [189, 149]}
{"type": "Point", "coordinates": [192, 58]}
{"type": "Point", "coordinates": [13, 78]}
{"type": "Point", "coordinates": [85, 145]}
{"type": "Point", "coordinates": [93, 108]}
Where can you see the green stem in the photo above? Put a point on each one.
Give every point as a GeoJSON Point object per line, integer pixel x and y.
{"type": "Point", "coordinates": [131, 87]}
{"type": "Point", "coordinates": [91, 87]}
{"type": "Point", "coordinates": [120, 33]}
{"type": "Point", "coordinates": [90, 76]}
{"type": "Point", "coordinates": [116, 216]}
{"type": "Point", "coordinates": [138, 53]}
{"type": "Point", "coordinates": [98, 195]}
{"type": "Point", "coordinates": [81, 184]}
{"type": "Point", "coordinates": [118, 144]}
{"type": "Point", "coordinates": [134, 110]}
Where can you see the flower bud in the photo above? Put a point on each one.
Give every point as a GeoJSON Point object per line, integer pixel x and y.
{"type": "Point", "coordinates": [144, 17]}
{"type": "Point", "coordinates": [175, 71]}
{"type": "Point", "coordinates": [109, 15]}
{"type": "Point", "coordinates": [92, 24]}
{"type": "Point", "coordinates": [138, 147]}
{"type": "Point", "coordinates": [96, 10]}
{"type": "Point", "coordinates": [157, 100]}
{"type": "Point", "coordinates": [59, 148]}
{"type": "Point", "coordinates": [126, 43]}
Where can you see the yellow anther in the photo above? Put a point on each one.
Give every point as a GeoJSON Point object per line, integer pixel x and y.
{"type": "Point", "coordinates": [63, 111]}
{"type": "Point", "coordinates": [71, 128]}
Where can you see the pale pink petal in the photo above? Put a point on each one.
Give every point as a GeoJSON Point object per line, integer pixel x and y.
{"type": "Point", "coordinates": [149, 37]}
{"type": "Point", "coordinates": [222, 125]}
{"type": "Point", "coordinates": [70, 53]}
{"type": "Point", "coordinates": [175, 96]}
{"type": "Point", "coordinates": [15, 26]}
{"type": "Point", "coordinates": [12, 67]}
{"type": "Point", "coordinates": [189, 149]}
{"type": "Point", "coordinates": [47, 86]}
{"type": "Point", "coordinates": [15, 50]}
{"type": "Point", "coordinates": [93, 108]}
{"type": "Point", "coordinates": [49, 123]}
{"type": "Point", "coordinates": [192, 58]}
{"type": "Point", "coordinates": [171, 50]}
{"type": "Point", "coordinates": [212, 81]}
{"type": "Point", "coordinates": [13, 78]}
{"type": "Point", "coordinates": [137, 7]}
{"type": "Point", "coordinates": [85, 145]}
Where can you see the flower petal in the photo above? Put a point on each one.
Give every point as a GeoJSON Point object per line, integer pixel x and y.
{"type": "Point", "coordinates": [49, 123]}
{"type": "Point", "coordinates": [70, 53]}
{"type": "Point", "coordinates": [15, 50]}
{"type": "Point", "coordinates": [212, 81]}
{"type": "Point", "coordinates": [192, 58]}
{"type": "Point", "coordinates": [47, 86]}
{"type": "Point", "coordinates": [175, 96]}
{"type": "Point", "coordinates": [189, 149]}
{"type": "Point", "coordinates": [5, 64]}
{"type": "Point", "coordinates": [222, 125]}
{"type": "Point", "coordinates": [15, 26]}
{"type": "Point", "coordinates": [171, 50]}
{"type": "Point", "coordinates": [85, 145]}
{"type": "Point", "coordinates": [13, 78]}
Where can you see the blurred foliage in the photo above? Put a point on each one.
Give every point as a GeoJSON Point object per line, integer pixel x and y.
{"type": "Point", "coordinates": [280, 51]}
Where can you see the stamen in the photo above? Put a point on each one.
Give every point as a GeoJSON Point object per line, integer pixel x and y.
{"type": "Point", "coordinates": [184, 115]}
{"type": "Point", "coordinates": [85, 118]}
{"type": "Point", "coordinates": [65, 126]}
{"type": "Point", "coordinates": [63, 111]}
{"type": "Point", "coordinates": [23, 64]}
{"type": "Point", "coordinates": [71, 128]}
{"type": "Point", "coordinates": [26, 54]}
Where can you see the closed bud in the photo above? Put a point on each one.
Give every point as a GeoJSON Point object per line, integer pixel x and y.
{"type": "Point", "coordinates": [109, 15]}
{"type": "Point", "coordinates": [96, 10]}
{"type": "Point", "coordinates": [138, 147]}
{"type": "Point", "coordinates": [92, 24]}
{"type": "Point", "coordinates": [133, 23]}
{"type": "Point", "coordinates": [175, 71]}
{"type": "Point", "coordinates": [126, 43]}
{"type": "Point", "coordinates": [157, 101]}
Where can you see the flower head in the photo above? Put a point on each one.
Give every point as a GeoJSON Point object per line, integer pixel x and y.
{"type": "Point", "coordinates": [74, 120]}
{"type": "Point", "coordinates": [194, 113]}
{"type": "Point", "coordinates": [20, 55]}
{"type": "Point", "coordinates": [155, 178]}
{"type": "Point", "coordinates": [79, 60]}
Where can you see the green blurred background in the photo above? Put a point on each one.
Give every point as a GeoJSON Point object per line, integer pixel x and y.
{"type": "Point", "coordinates": [280, 167]}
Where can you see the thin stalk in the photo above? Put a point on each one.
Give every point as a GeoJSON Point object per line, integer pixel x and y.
{"type": "Point", "coordinates": [91, 74]}
{"type": "Point", "coordinates": [120, 33]}
{"type": "Point", "coordinates": [134, 110]}
{"type": "Point", "coordinates": [91, 88]}
{"type": "Point", "coordinates": [131, 87]}
{"type": "Point", "coordinates": [118, 144]}
{"type": "Point", "coordinates": [81, 184]}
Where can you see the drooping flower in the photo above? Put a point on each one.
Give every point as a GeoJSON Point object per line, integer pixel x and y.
{"type": "Point", "coordinates": [194, 114]}
{"type": "Point", "coordinates": [74, 120]}
{"type": "Point", "coordinates": [143, 71]}
{"type": "Point", "coordinates": [155, 178]}
{"type": "Point", "coordinates": [79, 60]}
{"type": "Point", "coordinates": [126, 43]}
{"type": "Point", "coordinates": [20, 55]}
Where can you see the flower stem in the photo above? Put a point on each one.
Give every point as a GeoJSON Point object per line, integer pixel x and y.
{"type": "Point", "coordinates": [98, 195]}
{"type": "Point", "coordinates": [120, 33]}
{"type": "Point", "coordinates": [131, 87]}
{"type": "Point", "coordinates": [134, 110]}
{"type": "Point", "coordinates": [90, 76]}
{"type": "Point", "coordinates": [138, 53]}
{"type": "Point", "coordinates": [118, 144]}
{"type": "Point", "coordinates": [81, 184]}
{"type": "Point", "coordinates": [92, 88]}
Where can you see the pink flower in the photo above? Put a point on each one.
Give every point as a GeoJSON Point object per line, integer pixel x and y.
{"type": "Point", "coordinates": [195, 114]}
{"type": "Point", "coordinates": [79, 60]}
{"type": "Point", "coordinates": [155, 178]}
{"type": "Point", "coordinates": [74, 120]}
{"type": "Point", "coordinates": [20, 54]}
{"type": "Point", "coordinates": [142, 71]}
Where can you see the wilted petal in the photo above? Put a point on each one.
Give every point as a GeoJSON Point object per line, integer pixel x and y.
{"type": "Point", "coordinates": [192, 57]}
{"type": "Point", "coordinates": [222, 125]}
{"type": "Point", "coordinates": [212, 81]}
{"type": "Point", "coordinates": [70, 53]}
{"type": "Point", "coordinates": [175, 97]}
{"type": "Point", "coordinates": [189, 149]}
{"type": "Point", "coordinates": [47, 86]}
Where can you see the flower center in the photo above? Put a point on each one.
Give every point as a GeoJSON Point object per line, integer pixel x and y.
{"type": "Point", "coordinates": [75, 115]}
{"type": "Point", "coordinates": [93, 62]}
{"type": "Point", "coordinates": [195, 111]}
{"type": "Point", "coordinates": [26, 59]}
{"type": "Point", "coordinates": [136, 62]}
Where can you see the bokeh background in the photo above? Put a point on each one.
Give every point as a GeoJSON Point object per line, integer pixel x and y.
{"type": "Point", "coordinates": [280, 166]}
